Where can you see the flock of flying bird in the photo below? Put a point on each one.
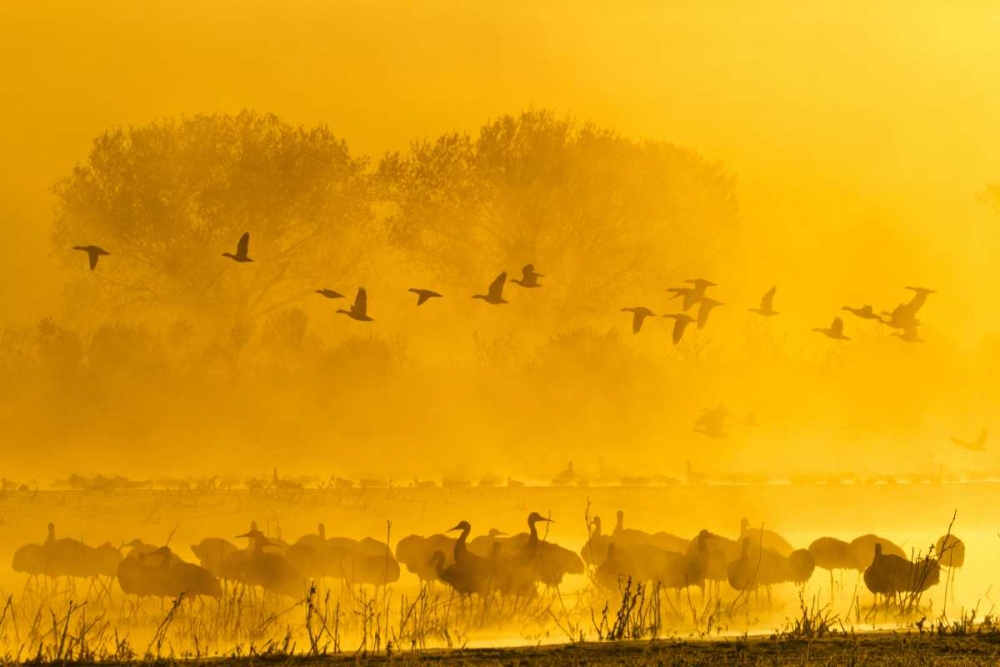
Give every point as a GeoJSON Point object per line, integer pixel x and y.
{"type": "Point", "coordinates": [903, 317]}
{"type": "Point", "coordinates": [515, 566]}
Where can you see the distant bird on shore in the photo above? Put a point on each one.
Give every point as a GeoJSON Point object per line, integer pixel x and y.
{"type": "Point", "coordinates": [706, 307]}
{"type": "Point", "coordinates": [681, 320]}
{"type": "Point", "coordinates": [977, 445]}
{"type": "Point", "coordinates": [529, 277]}
{"type": "Point", "coordinates": [767, 304]}
{"type": "Point", "coordinates": [423, 295]}
{"type": "Point", "coordinates": [835, 330]}
{"type": "Point", "coordinates": [639, 313]}
{"type": "Point", "coordinates": [242, 248]}
{"type": "Point", "coordinates": [93, 253]}
{"type": "Point", "coordinates": [865, 312]}
{"type": "Point", "coordinates": [359, 309]}
{"type": "Point", "coordinates": [494, 295]}
{"type": "Point", "coordinates": [329, 293]}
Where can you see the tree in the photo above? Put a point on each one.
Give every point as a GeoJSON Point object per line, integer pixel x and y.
{"type": "Point", "coordinates": [168, 198]}
{"type": "Point", "coordinates": [595, 209]}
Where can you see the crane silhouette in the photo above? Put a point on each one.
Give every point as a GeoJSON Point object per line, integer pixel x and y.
{"type": "Point", "coordinates": [704, 308]}
{"type": "Point", "coordinates": [423, 295]}
{"type": "Point", "coordinates": [834, 331]}
{"type": "Point", "coordinates": [242, 250]}
{"type": "Point", "coordinates": [766, 308]}
{"type": "Point", "coordinates": [529, 277]}
{"type": "Point", "coordinates": [494, 294]}
{"type": "Point", "coordinates": [639, 313]}
{"type": "Point", "coordinates": [93, 253]}
{"type": "Point", "coordinates": [359, 309]}
{"type": "Point", "coordinates": [329, 293]}
{"type": "Point", "coordinates": [681, 321]}
{"type": "Point", "coordinates": [865, 312]}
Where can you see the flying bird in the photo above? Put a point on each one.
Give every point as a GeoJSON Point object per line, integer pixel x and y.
{"type": "Point", "coordinates": [705, 308]}
{"type": "Point", "coordinates": [712, 422]}
{"type": "Point", "coordinates": [639, 313]}
{"type": "Point", "coordinates": [529, 278]}
{"type": "Point", "coordinates": [835, 331]}
{"type": "Point", "coordinates": [494, 294]}
{"type": "Point", "coordinates": [909, 335]}
{"type": "Point", "coordinates": [767, 304]}
{"type": "Point", "coordinates": [865, 312]}
{"type": "Point", "coordinates": [681, 320]}
{"type": "Point", "coordinates": [93, 253]}
{"type": "Point", "coordinates": [330, 294]}
{"type": "Point", "coordinates": [242, 248]}
{"type": "Point", "coordinates": [423, 295]}
{"type": "Point", "coordinates": [689, 294]}
{"type": "Point", "coordinates": [977, 445]}
{"type": "Point", "coordinates": [700, 285]}
{"type": "Point", "coordinates": [359, 309]}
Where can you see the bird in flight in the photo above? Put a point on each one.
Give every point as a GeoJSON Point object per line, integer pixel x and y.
{"type": "Point", "coordinates": [93, 253]}
{"type": "Point", "coordinates": [242, 248]}
{"type": "Point", "coordinates": [835, 330]}
{"type": "Point", "coordinates": [767, 304]}
{"type": "Point", "coordinates": [690, 298]}
{"type": "Point", "coordinates": [329, 293]}
{"type": "Point", "coordinates": [865, 312]}
{"type": "Point", "coordinates": [681, 320]}
{"type": "Point", "coordinates": [705, 308]}
{"type": "Point", "coordinates": [712, 422]}
{"type": "Point", "coordinates": [529, 278]}
{"type": "Point", "coordinates": [423, 295]}
{"type": "Point", "coordinates": [359, 309]}
{"type": "Point", "coordinates": [494, 294]}
{"type": "Point", "coordinates": [977, 445]}
{"type": "Point", "coordinates": [909, 335]}
{"type": "Point", "coordinates": [639, 313]}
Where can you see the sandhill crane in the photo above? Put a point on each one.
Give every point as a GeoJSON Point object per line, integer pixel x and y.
{"type": "Point", "coordinates": [919, 298]}
{"type": "Point", "coordinates": [596, 549]}
{"type": "Point", "coordinates": [482, 545]}
{"type": "Point", "coordinates": [901, 317]}
{"type": "Point", "coordinates": [308, 554]}
{"type": "Point", "coordinates": [909, 335]}
{"type": "Point", "coordinates": [529, 277]}
{"type": "Point", "coordinates": [712, 422]}
{"type": "Point", "coordinates": [464, 581]}
{"type": "Point", "coordinates": [717, 553]}
{"type": "Point", "coordinates": [161, 573]}
{"type": "Point", "coordinates": [756, 567]}
{"type": "Point", "coordinates": [494, 294]}
{"type": "Point", "coordinates": [547, 563]}
{"type": "Point", "coordinates": [640, 562]}
{"type": "Point", "coordinates": [766, 308]}
{"type": "Point", "coordinates": [94, 253]}
{"type": "Point", "coordinates": [242, 250]}
{"type": "Point", "coordinates": [862, 548]}
{"type": "Point", "coordinates": [681, 321]}
{"type": "Point", "coordinates": [329, 293]}
{"type": "Point", "coordinates": [977, 445]}
{"type": "Point", "coordinates": [469, 573]}
{"type": "Point", "coordinates": [801, 566]}
{"type": "Point", "coordinates": [766, 538]}
{"type": "Point", "coordinates": [256, 567]}
{"type": "Point", "coordinates": [626, 536]}
{"type": "Point", "coordinates": [689, 294]}
{"type": "Point", "coordinates": [830, 553]}
{"type": "Point", "coordinates": [866, 312]}
{"type": "Point", "coordinates": [359, 309]}
{"type": "Point", "coordinates": [889, 574]}
{"type": "Point", "coordinates": [834, 331]}
{"type": "Point", "coordinates": [212, 553]}
{"type": "Point", "coordinates": [705, 307]}
{"type": "Point", "coordinates": [416, 552]}
{"type": "Point", "coordinates": [424, 295]}
{"type": "Point", "coordinates": [639, 313]}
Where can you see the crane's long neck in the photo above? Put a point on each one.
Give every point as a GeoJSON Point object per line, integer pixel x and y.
{"type": "Point", "coordinates": [597, 526]}
{"type": "Point", "coordinates": [460, 548]}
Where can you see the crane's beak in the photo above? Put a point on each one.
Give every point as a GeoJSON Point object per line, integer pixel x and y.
{"type": "Point", "coordinates": [500, 533]}
{"type": "Point", "coordinates": [243, 535]}
{"type": "Point", "coordinates": [548, 520]}
{"type": "Point", "coordinates": [451, 530]}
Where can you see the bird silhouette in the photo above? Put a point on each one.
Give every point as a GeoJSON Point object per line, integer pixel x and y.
{"type": "Point", "coordinates": [919, 298]}
{"type": "Point", "coordinates": [767, 304]}
{"type": "Point", "coordinates": [681, 321]}
{"type": "Point", "coordinates": [359, 309]}
{"type": "Point", "coordinates": [93, 253]}
{"type": "Point", "coordinates": [865, 312]}
{"type": "Point", "coordinates": [529, 278]}
{"type": "Point", "coordinates": [494, 294]}
{"type": "Point", "coordinates": [689, 294]}
{"type": "Point", "coordinates": [835, 330]}
{"type": "Point", "coordinates": [700, 285]}
{"type": "Point", "coordinates": [977, 445]}
{"type": "Point", "coordinates": [242, 248]}
{"type": "Point", "coordinates": [712, 422]}
{"type": "Point", "coordinates": [329, 293]}
{"type": "Point", "coordinates": [423, 295]}
{"type": "Point", "coordinates": [909, 335]}
{"type": "Point", "coordinates": [901, 317]}
{"type": "Point", "coordinates": [706, 307]}
{"type": "Point", "coordinates": [639, 313]}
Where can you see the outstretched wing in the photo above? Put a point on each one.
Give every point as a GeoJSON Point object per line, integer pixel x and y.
{"type": "Point", "coordinates": [637, 318]}
{"type": "Point", "coordinates": [361, 302]}
{"type": "Point", "coordinates": [679, 325]}
{"type": "Point", "coordinates": [93, 257]}
{"type": "Point", "coordinates": [527, 272]}
{"type": "Point", "coordinates": [766, 302]}
{"type": "Point", "coordinates": [243, 247]}
{"type": "Point", "coordinates": [496, 287]}
{"type": "Point", "coordinates": [703, 311]}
